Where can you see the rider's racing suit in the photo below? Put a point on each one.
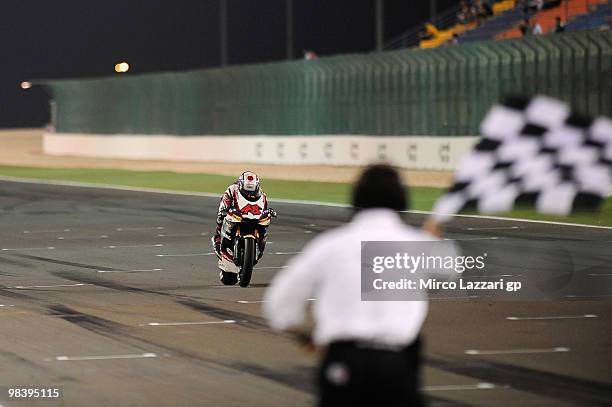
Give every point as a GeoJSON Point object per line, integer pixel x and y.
{"type": "Point", "coordinates": [228, 201]}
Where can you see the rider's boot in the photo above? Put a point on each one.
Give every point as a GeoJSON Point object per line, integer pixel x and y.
{"type": "Point", "coordinates": [216, 241]}
{"type": "Point", "coordinates": [262, 246]}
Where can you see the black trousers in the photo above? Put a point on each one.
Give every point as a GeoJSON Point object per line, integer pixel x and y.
{"type": "Point", "coordinates": [353, 373]}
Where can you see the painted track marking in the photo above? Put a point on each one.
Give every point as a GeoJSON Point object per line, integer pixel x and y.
{"type": "Point", "coordinates": [588, 296]}
{"type": "Point", "coordinates": [452, 298]}
{"type": "Point", "coordinates": [135, 246]}
{"type": "Point", "coordinates": [82, 237]}
{"type": "Point", "coordinates": [473, 238]}
{"type": "Point", "coordinates": [46, 231]}
{"type": "Point", "coordinates": [143, 228]}
{"type": "Point", "coordinates": [182, 234]}
{"type": "Point", "coordinates": [552, 317]}
{"type": "Point", "coordinates": [126, 271]}
{"type": "Point", "coordinates": [261, 301]}
{"type": "Point", "coordinates": [516, 351]}
{"type": "Point", "coordinates": [185, 255]}
{"type": "Point", "coordinates": [455, 387]}
{"type": "Point", "coordinates": [226, 321]}
{"type": "Point", "coordinates": [286, 253]}
{"type": "Point", "coordinates": [495, 228]}
{"type": "Point", "coordinates": [25, 287]}
{"type": "Point", "coordinates": [28, 248]}
{"type": "Point", "coordinates": [270, 267]}
{"type": "Point", "coordinates": [107, 357]}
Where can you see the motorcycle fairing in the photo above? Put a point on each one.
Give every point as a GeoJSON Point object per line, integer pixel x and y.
{"type": "Point", "coordinates": [226, 264]}
{"type": "Point", "coordinates": [250, 209]}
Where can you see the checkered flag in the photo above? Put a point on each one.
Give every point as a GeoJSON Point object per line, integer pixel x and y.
{"type": "Point", "coordinates": [537, 153]}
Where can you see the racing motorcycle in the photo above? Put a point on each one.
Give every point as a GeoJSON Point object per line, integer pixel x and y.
{"type": "Point", "coordinates": [242, 227]}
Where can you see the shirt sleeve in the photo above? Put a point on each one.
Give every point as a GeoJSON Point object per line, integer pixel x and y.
{"type": "Point", "coordinates": [285, 300]}
{"type": "Point", "coordinates": [226, 200]}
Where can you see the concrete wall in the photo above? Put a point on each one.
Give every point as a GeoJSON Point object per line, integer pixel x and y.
{"type": "Point", "coordinates": [415, 152]}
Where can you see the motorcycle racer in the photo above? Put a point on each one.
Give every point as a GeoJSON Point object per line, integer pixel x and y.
{"type": "Point", "coordinates": [248, 186]}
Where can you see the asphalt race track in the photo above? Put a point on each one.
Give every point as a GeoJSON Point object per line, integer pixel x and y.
{"type": "Point", "coordinates": [114, 296]}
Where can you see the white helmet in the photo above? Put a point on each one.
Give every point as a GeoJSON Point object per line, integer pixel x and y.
{"type": "Point", "coordinates": [248, 184]}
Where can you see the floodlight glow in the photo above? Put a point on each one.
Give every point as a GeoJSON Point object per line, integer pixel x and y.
{"type": "Point", "coordinates": [26, 85]}
{"type": "Point", "coordinates": [122, 67]}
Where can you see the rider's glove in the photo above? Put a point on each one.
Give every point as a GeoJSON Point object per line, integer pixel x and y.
{"type": "Point", "coordinates": [271, 213]}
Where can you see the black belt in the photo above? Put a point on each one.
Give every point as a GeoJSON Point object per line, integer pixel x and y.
{"type": "Point", "coordinates": [373, 345]}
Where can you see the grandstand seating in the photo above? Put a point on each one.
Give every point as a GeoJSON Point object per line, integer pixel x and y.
{"type": "Point", "coordinates": [567, 10]}
{"type": "Point", "coordinates": [440, 37]}
{"type": "Point", "coordinates": [492, 27]}
{"type": "Point", "coordinates": [592, 20]}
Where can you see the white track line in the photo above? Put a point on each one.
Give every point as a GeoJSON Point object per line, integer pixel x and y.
{"type": "Point", "coordinates": [182, 234]}
{"type": "Point", "coordinates": [227, 321]}
{"type": "Point", "coordinates": [270, 267]}
{"type": "Point", "coordinates": [515, 351]}
{"type": "Point", "coordinates": [588, 296]}
{"type": "Point", "coordinates": [496, 228]}
{"type": "Point", "coordinates": [286, 253]}
{"type": "Point", "coordinates": [80, 358]}
{"type": "Point", "coordinates": [474, 238]}
{"type": "Point", "coordinates": [599, 274]}
{"type": "Point", "coordinates": [143, 228]}
{"type": "Point", "coordinates": [135, 246]}
{"type": "Point", "coordinates": [82, 237]}
{"type": "Point", "coordinates": [46, 231]}
{"type": "Point", "coordinates": [451, 298]}
{"type": "Point", "coordinates": [29, 248]}
{"type": "Point", "coordinates": [25, 287]}
{"type": "Point", "coordinates": [455, 387]}
{"type": "Point", "coordinates": [288, 201]}
{"type": "Point", "coordinates": [261, 301]}
{"type": "Point", "coordinates": [499, 218]}
{"type": "Point", "coordinates": [126, 271]}
{"type": "Point", "coordinates": [185, 255]}
{"type": "Point", "coordinates": [6, 305]}
{"type": "Point", "coordinates": [552, 317]}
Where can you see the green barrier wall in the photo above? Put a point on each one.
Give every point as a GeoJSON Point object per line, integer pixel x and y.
{"type": "Point", "coordinates": [444, 91]}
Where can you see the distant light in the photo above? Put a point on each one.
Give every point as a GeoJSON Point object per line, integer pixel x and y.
{"type": "Point", "coordinates": [122, 67]}
{"type": "Point", "coordinates": [26, 85]}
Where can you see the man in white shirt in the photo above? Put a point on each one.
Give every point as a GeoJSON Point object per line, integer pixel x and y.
{"type": "Point", "coordinates": [372, 347]}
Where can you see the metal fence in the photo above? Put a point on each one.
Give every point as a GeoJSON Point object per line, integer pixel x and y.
{"type": "Point", "coordinates": [443, 91]}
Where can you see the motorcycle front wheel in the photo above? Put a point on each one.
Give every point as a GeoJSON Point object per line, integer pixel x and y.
{"type": "Point", "coordinates": [248, 260]}
{"type": "Point", "coordinates": [229, 278]}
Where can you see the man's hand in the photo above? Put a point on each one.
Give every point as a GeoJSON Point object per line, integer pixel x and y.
{"type": "Point", "coordinates": [304, 340]}
{"type": "Point", "coordinates": [432, 227]}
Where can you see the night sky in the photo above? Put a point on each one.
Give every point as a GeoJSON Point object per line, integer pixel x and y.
{"type": "Point", "coordinates": [77, 38]}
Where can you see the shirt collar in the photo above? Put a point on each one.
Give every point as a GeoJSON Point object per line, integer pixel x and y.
{"type": "Point", "coordinates": [380, 216]}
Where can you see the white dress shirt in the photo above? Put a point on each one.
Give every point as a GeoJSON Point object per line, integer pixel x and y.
{"type": "Point", "coordinates": [329, 269]}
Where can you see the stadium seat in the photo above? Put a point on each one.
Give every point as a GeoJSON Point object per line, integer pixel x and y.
{"type": "Point", "coordinates": [440, 37]}
{"type": "Point", "coordinates": [567, 10]}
